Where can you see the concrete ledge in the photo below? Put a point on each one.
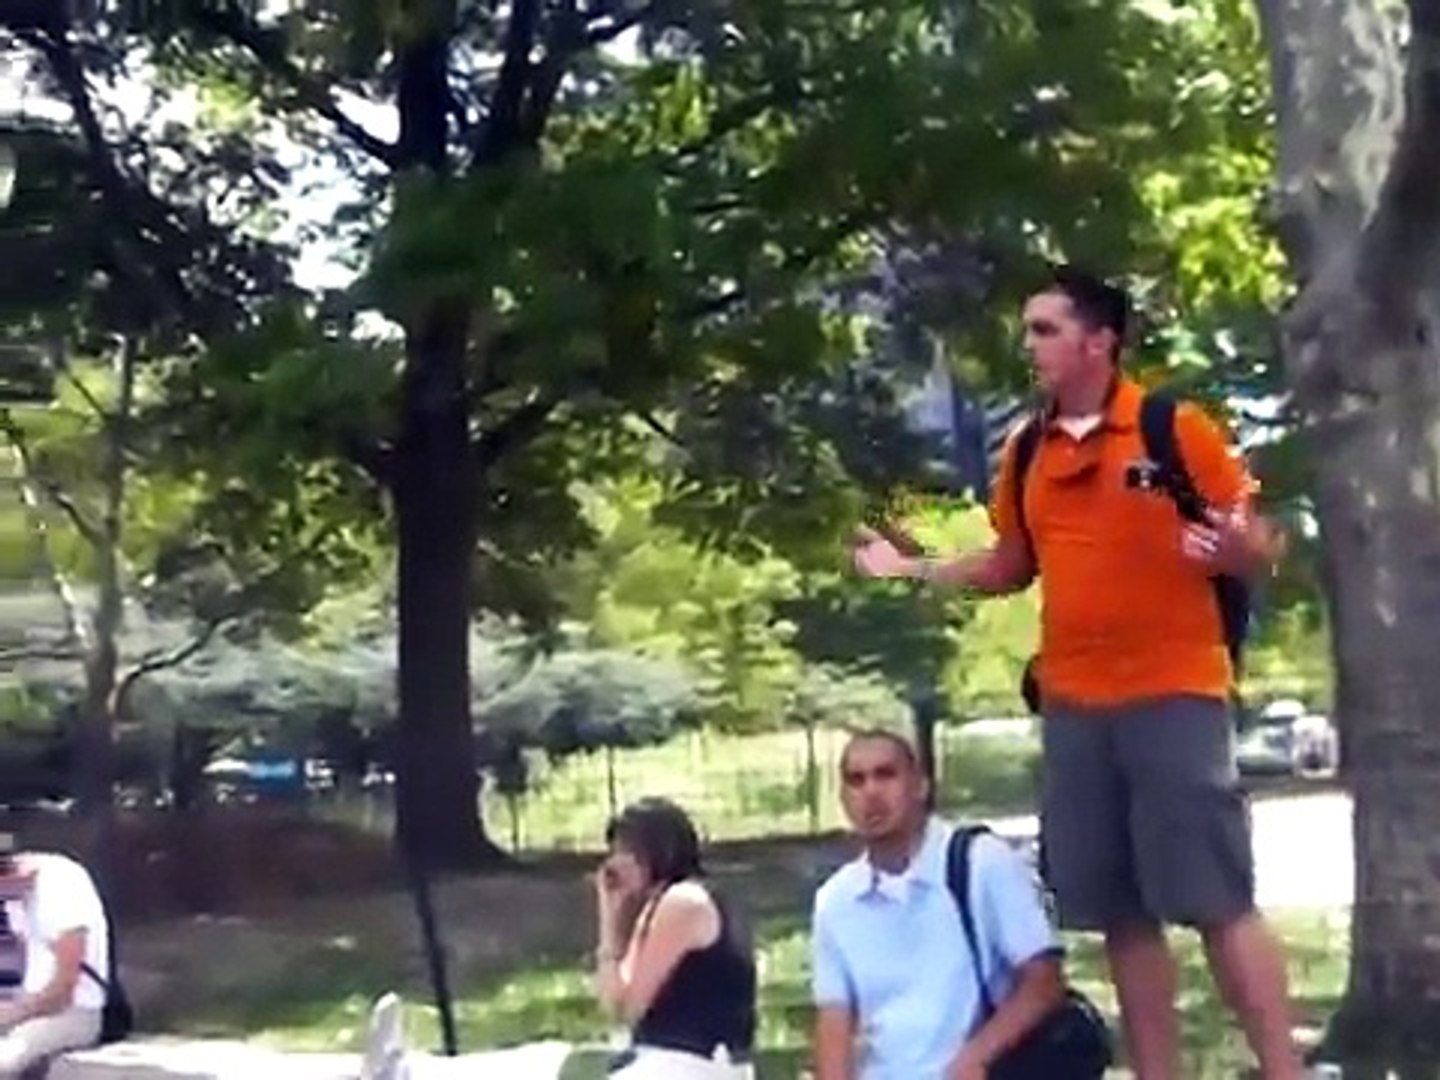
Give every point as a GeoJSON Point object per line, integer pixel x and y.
{"type": "Point", "coordinates": [165, 1059]}
{"type": "Point", "coordinates": [145, 1059]}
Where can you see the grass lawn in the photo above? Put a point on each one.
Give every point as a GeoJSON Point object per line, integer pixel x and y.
{"type": "Point", "coordinates": [553, 1001]}
{"type": "Point", "coordinates": [305, 978]}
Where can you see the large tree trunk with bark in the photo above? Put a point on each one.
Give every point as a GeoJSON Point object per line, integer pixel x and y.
{"type": "Point", "coordinates": [434, 484]}
{"type": "Point", "coordinates": [1359, 201]}
{"type": "Point", "coordinates": [438, 813]}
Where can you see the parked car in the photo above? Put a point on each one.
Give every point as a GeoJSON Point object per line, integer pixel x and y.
{"type": "Point", "coordinates": [1285, 738]}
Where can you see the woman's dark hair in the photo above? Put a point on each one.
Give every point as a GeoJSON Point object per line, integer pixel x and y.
{"type": "Point", "coordinates": [661, 836]}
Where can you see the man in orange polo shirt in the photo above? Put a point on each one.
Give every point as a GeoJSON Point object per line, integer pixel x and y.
{"type": "Point", "coordinates": [1142, 819]}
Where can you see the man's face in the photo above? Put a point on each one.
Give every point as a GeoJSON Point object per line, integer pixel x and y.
{"type": "Point", "coordinates": [882, 791]}
{"type": "Point", "coordinates": [1063, 350]}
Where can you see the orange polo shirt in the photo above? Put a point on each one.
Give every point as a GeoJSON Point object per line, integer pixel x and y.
{"type": "Point", "coordinates": [1125, 615]}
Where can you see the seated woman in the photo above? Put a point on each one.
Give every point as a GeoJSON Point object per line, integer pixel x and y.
{"type": "Point", "coordinates": [671, 960]}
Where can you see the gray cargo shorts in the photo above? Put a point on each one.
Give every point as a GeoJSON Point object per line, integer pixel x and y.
{"type": "Point", "coordinates": [1142, 816]}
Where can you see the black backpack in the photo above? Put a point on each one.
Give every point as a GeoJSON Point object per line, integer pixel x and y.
{"type": "Point", "coordinates": [1157, 432]}
{"type": "Point", "coordinates": [1072, 1043]}
{"type": "Point", "coordinates": [117, 1017]}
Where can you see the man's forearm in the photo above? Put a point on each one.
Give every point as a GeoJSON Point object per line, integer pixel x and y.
{"type": "Point", "coordinates": [834, 1042]}
{"type": "Point", "coordinates": [1265, 548]}
{"type": "Point", "coordinates": [834, 1064]}
{"type": "Point", "coordinates": [986, 572]}
{"type": "Point", "coordinates": [45, 1002]}
{"type": "Point", "coordinates": [1039, 990]}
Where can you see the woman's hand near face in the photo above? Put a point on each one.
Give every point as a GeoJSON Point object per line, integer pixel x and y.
{"type": "Point", "coordinates": [620, 891]}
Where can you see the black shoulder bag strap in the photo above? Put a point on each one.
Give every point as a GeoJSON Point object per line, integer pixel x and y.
{"type": "Point", "coordinates": [1026, 443]}
{"type": "Point", "coordinates": [957, 877]}
{"type": "Point", "coordinates": [109, 951]}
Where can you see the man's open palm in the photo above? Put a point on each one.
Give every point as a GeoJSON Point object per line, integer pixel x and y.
{"type": "Point", "coordinates": [877, 557]}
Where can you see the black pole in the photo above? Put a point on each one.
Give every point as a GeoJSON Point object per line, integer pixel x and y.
{"type": "Point", "coordinates": [434, 953]}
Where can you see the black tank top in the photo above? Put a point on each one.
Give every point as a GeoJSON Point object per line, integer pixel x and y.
{"type": "Point", "coordinates": [708, 1000]}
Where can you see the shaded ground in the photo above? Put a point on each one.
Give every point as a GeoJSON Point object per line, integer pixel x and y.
{"type": "Point", "coordinates": [310, 923]}
{"type": "Point", "coordinates": [243, 919]}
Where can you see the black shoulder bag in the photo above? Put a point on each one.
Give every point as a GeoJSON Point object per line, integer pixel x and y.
{"type": "Point", "coordinates": [1072, 1043]}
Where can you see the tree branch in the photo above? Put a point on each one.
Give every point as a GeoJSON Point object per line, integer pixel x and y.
{"type": "Point", "coordinates": [736, 115]}
{"type": "Point", "coordinates": [163, 282]}
{"type": "Point", "coordinates": [499, 133]}
{"type": "Point", "coordinates": [101, 413]}
{"type": "Point", "coordinates": [36, 653]}
{"type": "Point", "coordinates": [526, 92]}
{"type": "Point", "coordinates": [88, 530]}
{"type": "Point", "coordinates": [517, 429]}
{"type": "Point", "coordinates": [651, 421]}
{"type": "Point", "coordinates": [566, 37]}
{"type": "Point", "coordinates": [798, 261]}
{"type": "Point", "coordinates": [161, 661]}
{"type": "Point", "coordinates": [228, 22]}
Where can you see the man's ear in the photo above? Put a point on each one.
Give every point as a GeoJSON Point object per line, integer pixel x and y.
{"type": "Point", "coordinates": [1105, 342]}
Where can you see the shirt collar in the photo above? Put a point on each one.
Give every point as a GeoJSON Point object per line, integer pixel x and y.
{"type": "Point", "coordinates": [926, 867]}
{"type": "Point", "coordinates": [1122, 405]}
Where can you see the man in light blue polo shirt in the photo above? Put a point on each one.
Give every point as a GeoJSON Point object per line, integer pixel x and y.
{"type": "Point", "coordinates": [894, 982]}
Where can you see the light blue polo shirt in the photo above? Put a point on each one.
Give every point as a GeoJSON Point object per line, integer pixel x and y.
{"type": "Point", "coordinates": [892, 949]}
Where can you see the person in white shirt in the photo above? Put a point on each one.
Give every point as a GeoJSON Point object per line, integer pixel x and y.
{"type": "Point", "coordinates": [50, 904]}
{"type": "Point", "coordinates": [897, 992]}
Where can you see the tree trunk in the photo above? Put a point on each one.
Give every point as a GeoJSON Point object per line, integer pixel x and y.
{"type": "Point", "coordinates": [96, 741]}
{"type": "Point", "coordinates": [438, 792]}
{"type": "Point", "coordinates": [1360, 203]}
{"type": "Point", "coordinates": [434, 489]}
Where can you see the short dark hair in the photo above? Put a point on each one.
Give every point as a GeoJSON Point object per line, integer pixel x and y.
{"type": "Point", "coordinates": [1097, 303]}
{"type": "Point", "coordinates": [877, 734]}
{"type": "Point", "coordinates": [661, 836]}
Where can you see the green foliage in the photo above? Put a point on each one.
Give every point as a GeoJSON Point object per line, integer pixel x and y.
{"type": "Point", "coordinates": [644, 586]}
{"type": "Point", "coordinates": [829, 696]}
{"type": "Point", "coordinates": [665, 239]}
{"type": "Point", "coordinates": [668, 276]}
{"type": "Point", "coordinates": [1291, 658]}
{"type": "Point", "coordinates": [582, 701]}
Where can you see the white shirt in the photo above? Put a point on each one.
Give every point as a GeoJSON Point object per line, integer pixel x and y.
{"type": "Point", "coordinates": [892, 949]}
{"type": "Point", "coordinates": [61, 898]}
{"type": "Point", "coordinates": [1077, 427]}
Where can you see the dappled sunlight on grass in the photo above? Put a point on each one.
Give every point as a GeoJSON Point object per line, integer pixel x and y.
{"type": "Point", "coordinates": [555, 1001]}
{"type": "Point", "coordinates": [516, 944]}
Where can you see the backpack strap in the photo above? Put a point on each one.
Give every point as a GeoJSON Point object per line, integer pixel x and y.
{"type": "Point", "coordinates": [957, 879]}
{"type": "Point", "coordinates": [1026, 443]}
{"type": "Point", "coordinates": [1157, 430]}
